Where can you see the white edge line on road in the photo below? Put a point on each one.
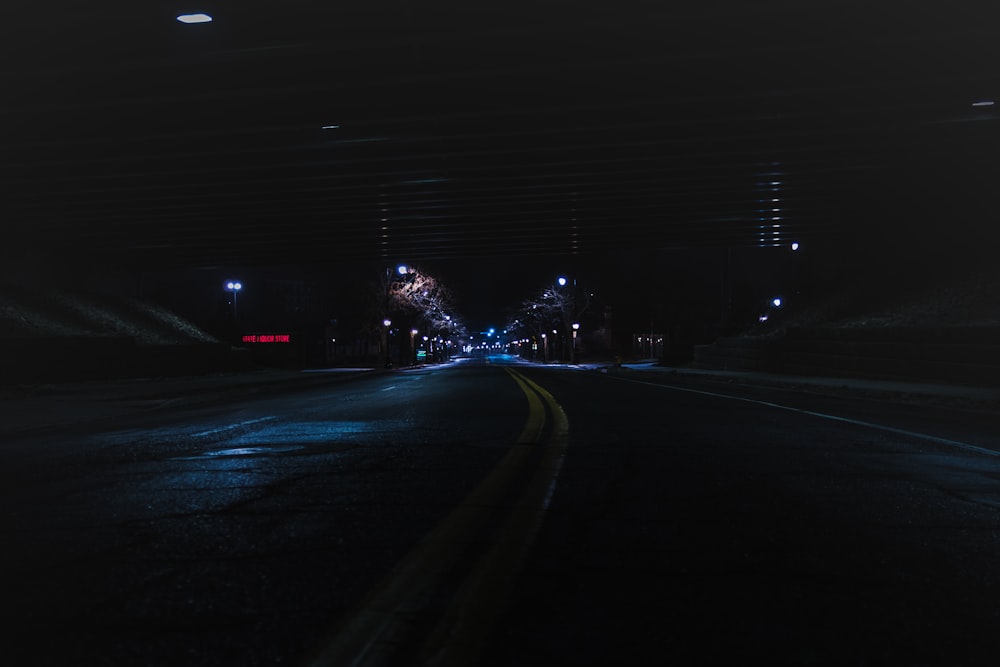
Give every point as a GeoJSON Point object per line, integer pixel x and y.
{"type": "Point", "coordinates": [230, 427]}
{"type": "Point", "coordinates": [823, 415]}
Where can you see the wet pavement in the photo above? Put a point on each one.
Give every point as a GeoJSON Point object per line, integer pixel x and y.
{"type": "Point", "coordinates": [234, 515]}
{"type": "Point", "coordinates": [27, 408]}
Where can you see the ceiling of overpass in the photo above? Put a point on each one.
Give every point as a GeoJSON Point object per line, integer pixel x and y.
{"type": "Point", "coordinates": [308, 131]}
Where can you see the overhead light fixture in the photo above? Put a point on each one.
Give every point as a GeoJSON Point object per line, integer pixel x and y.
{"type": "Point", "coordinates": [983, 103]}
{"type": "Point", "coordinates": [331, 127]}
{"type": "Point", "coordinates": [194, 18]}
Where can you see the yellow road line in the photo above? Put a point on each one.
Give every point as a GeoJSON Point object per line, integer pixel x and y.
{"type": "Point", "coordinates": [532, 432]}
{"type": "Point", "coordinates": [387, 614]}
{"type": "Point", "coordinates": [460, 636]}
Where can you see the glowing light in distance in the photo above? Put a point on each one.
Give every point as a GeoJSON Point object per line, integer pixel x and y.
{"type": "Point", "coordinates": [776, 302]}
{"type": "Point", "coordinates": [562, 281]}
{"type": "Point", "coordinates": [402, 269]}
{"type": "Point", "coordinates": [331, 127]}
{"type": "Point", "coordinates": [983, 103]}
{"type": "Point", "coordinates": [232, 285]}
{"type": "Point", "coordinates": [194, 18]}
{"type": "Point", "coordinates": [795, 245]}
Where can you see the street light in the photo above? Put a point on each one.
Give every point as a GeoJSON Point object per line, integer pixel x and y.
{"type": "Point", "coordinates": [234, 286]}
{"type": "Point", "coordinates": [194, 18]}
{"type": "Point", "coordinates": [572, 353]}
{"type": "Point", "coordinates": [413, 350]}
{"type": "Point", "coordinates": [386, 323]}
{"type": "Point", "coordinates": [403, 270]}
{"type": "Point", "coordinates": [569, 311]}
{"type": "Point", "coordinates": [451, 330]}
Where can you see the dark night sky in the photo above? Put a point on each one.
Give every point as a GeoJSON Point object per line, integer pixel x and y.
{"type": "Point", "coordinates": [498, 145]}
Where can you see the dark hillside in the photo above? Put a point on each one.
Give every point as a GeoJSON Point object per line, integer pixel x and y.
{"type": "Point", "coordinates": [50, 334]}
{"type": "Point", "coordinates": [27, 312]}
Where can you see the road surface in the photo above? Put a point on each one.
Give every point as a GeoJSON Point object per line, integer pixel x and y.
{"type": "Point", "coordinates": [494, 513]}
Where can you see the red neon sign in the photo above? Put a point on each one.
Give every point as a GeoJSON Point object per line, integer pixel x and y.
{"type": "Point", "coordinates": [267, 338]}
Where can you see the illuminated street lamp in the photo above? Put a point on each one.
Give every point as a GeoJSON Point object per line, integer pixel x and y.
{"type": "Point", "coordinates": [194, 18]}
{"type": "Point", "coordinates": [572, 352]}
{"type": "Point", "coordinates": [234, 286]}
{"type": "Point", "coordinates": [450, 334]}
{"type": "Point", "coordinates": [773, 305]}
{"type": "Point", "coordinates": [386, 323]}
{"type": "Point", "coordinates": [402, 270]}
{"type": "Point", "coordinates": [413, 349]}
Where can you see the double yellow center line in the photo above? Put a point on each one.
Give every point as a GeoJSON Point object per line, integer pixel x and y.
{"type": "Point", "coordinates": [390, 613]}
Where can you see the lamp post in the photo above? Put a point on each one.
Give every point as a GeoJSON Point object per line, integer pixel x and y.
{"type": "Point", "coordinates": [413, 349]}
{"type": "Point", "coordinates": [572, 353]}
{"type": "Point", "coordinates": [545, 349]}
{"type": "Point", "coordinates": [402, 270]}
{"type": "Point", "coordinates": [448, 343]}
{"type": "Point", "coordinates": [386, 323]}
{"type": "Point", "coordinates": [233, 287]}
{"type": "Point", "coordinates": [569, 311]}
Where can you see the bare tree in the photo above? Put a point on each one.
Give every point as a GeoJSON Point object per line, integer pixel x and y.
{"type": "Point", "coordinates": [556, 307]}
{"type": "Point", "coordinates": [422, 302]}
{"type": "Point", "coordinates": [423, 295]}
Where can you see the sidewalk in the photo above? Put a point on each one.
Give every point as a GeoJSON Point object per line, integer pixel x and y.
{"type": "Point", "coordinates": [32, 408]}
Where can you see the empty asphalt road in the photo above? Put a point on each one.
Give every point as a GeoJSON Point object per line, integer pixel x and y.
{"type": "Point", "coordinates": [494, 513]}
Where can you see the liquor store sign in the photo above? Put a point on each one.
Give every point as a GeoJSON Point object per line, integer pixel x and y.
{"type": "Point", "coordinates": [267, 338]}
